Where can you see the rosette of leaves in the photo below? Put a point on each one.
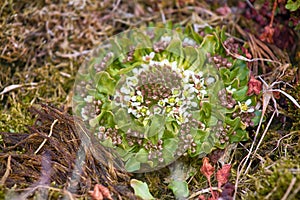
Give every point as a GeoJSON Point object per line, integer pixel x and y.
{"type": "Point", "coordinates": [155, 94]}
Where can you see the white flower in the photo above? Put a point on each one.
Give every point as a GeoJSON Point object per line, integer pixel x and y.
{"type": "Point", "coordinates": [135, 104]}
{"type": "Point", "coordinates": [125, 90]}
{"type": "Point", "coordinates": [149, 57]}
{"type": "Point", "coordinates": [210, 80]}
{"type": "Point", "coordinates": [189, 41]}
{"type": "Point", "coordinates": [133, 98]}
{"type": "Point", "coordinates": [162, 102]}
{"type": "Point", "coordinates": [153, 62]}
{"type": "Point", "coordinates": [89, 99]}
{"type": "Point", "coordinates": [176, 92]}
{"type": "Point", "coordinates": [84, 116]}
{"type": "Point", "coordinates": [130, 110]}
{"type": "Point", "coordinates": [230, 90]}
{"type": "Point", "coordinates": [166, 39]}
{"type": "Point", "coordinates": [174, 66]}
{"type": "Point", "coordinates": [144, 111]}
{"type": "Point", "coordinates": [192, 90]}
{"type": "Point", "coordinates": [164, 62]}
{"type": "Point", "coordinates": [201, 94]}
{"type": "Point", "coordinates": [245, 106]}
{"type": "Point", "coordinates": [126, 98]}
{"type": "Point", "coordinates": [157, 110]}
{"type": "Point", "coordinates": [193, 104]}
{"type": "Point", "coordinates": [135, 71]}
{"type": "Point", "coordinates": [132, 81]}
{"type": "Point", "coordinates": [187, 74]}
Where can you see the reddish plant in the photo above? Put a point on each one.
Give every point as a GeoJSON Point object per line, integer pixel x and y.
{"type": "Point", "coordinates": [254, 86]}
{"type": "Point", "coordinates": [100, 192]}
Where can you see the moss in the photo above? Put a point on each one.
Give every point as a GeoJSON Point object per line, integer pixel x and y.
{"type": "Point", "coordinates": [273, 178]}
{"type": "Point", "coordinates": [15, 119]}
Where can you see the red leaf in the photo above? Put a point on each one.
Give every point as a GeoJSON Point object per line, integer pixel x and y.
{"type": "Point", "coordinates": [254, 86]}
{"type": "Point", "coordinates": [267, 35]}
{"type": "Point", "coordinates": [100, 192]}
{"type": "Point", "coordinates": [223, 175]}
{"type": "Point", "coordinates": [96, 194]}
{"type": "Point", "coordinates": [207, 170]}
{"type": "Point", "coordinates": [105, 191]}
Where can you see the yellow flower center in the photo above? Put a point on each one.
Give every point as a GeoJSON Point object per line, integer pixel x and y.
{"type": "Point", "coordinates": [244, 107]}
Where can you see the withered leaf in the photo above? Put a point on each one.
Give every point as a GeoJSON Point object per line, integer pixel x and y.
{"type": "Point", "coordinates": [223, 175]}
{"type": "Point", "coordinates": [207, 169]}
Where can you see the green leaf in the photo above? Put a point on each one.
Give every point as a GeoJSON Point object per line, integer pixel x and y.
{"type": "Point", "coordinates": [189, 30]}
{"type": "Point", "coordinates": [257, 117]}
{"type": "Point", "coordinates": [141, 39]}
{"type": "Point", "coordinates": [241, 94]}
{"type": "Point", "coordinates": [122, 118]}
{"type": "Point", "coordinates": [175, 47]}
{"type": "Point", "coordinates": [180, 189]}
{"type": "Point", "coordinates": [107, 143]}
{"type": "Point", "coordinates": [171, 144]}
{"type": "Point", "coordinates": [142, 155]}
{"type": "Point", "coordinates": [141, 189]}
{"type": "Point", "coordinates": [241, 135]}
{"type": "Point", "coordinates": [206, 147]}
{"type": "Point", "coordinates": [132, 165]}
{"type": "Point", "coordinates": [205, 112]}
{"type": "Point", "coordinates": [157, 126]}
{"type": "Point", "coordinates": [234, 123]}
{"type": "Point", "coordinates": [194, 58]}
{"type": "Point", "coordinates": [292, 5]}
{"type": "Point", "coordinates": [105, 83]}
{"type": "Point", "coordinates": [209, 44]}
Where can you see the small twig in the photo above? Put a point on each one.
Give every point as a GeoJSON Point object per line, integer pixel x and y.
{"type": "Point", "coordinates": [163, 17]}
{"type": "Point", "coordinates": [250, 4]}
{"type": "Point", "coordinates": [17, 86]}
{"type": "Point", "coordinates": [72, 55]}
{"type": "Point", "coordinates": [273, 13]}
{"type": "Point", "coordinates": [203, 191]}
{"type": "Point", "coordinates": [45, 140]}
{"type": "Point", "coordinates": [288, 191]}
{"type": "Point", "coordinates": [260, 141]}
{"type": "Point", "coordinates": [278, 142]}
{"type": "Point", "coordinates": [116, 5]}
{"type": "Point", "coordinates": [7, 171]}
{"type": "Point", "coordinates": [240, 57]}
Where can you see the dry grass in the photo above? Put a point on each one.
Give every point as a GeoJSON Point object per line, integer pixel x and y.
{"type": "Point", "coordinates": [43, 43]}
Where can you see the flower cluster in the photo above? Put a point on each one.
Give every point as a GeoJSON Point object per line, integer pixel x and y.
{"type": "Point", "coordinates": [162, 44]}
{"type": "Point", "coordinates": [155, 151]}
{"type": "Point", "coordinates": [160, 87]}
{"type": "Point", "coordinates": [103, 64]}
{"type": "Point", "coordinates": [221, 132]}
{"type": "Point", "coordinates": [112, 133]}
{"type": "Point", "coordinates": [187, 141]}
{"type": "Point", "coordinates": [226, 98]}
{"type": "Point", "coordinates": [219, 61]}
{"type": "Point", "coordinates": [231, 45]}
{"type": "Point", "coordinates": [155, 95]}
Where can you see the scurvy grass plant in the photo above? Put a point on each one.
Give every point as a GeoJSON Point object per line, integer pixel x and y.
{"type": "Point", "coordinates": [155, 94]}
